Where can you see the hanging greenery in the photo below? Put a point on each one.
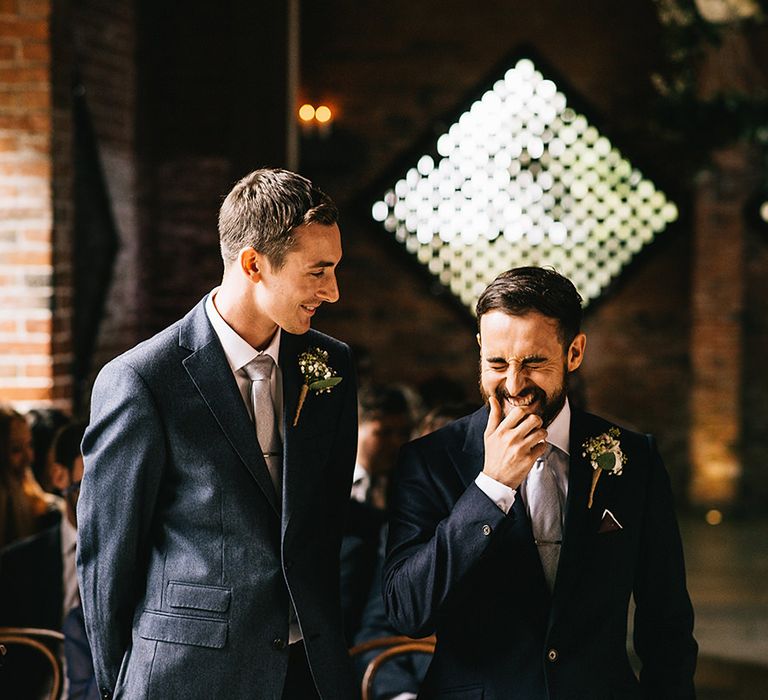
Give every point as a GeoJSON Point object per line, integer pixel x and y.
{"type": "Point", "coordinates": [694, 124]}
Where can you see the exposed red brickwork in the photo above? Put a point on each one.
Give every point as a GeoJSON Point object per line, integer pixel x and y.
{"type": "Point", "coordinates": [26, 213]}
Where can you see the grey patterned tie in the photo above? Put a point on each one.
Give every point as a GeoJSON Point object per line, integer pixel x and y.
{"type": "Point", "coordinates": [543, 498]}
{"type": "Point", "coordinates": [259, 371]}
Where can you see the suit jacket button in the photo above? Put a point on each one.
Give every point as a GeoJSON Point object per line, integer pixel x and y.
{"type": "Point", "coordinates": [278, 643]}
{"type": "Point", "coordinates": [486, 530]}
{"type": "Point", "coordinates": [552, 655]}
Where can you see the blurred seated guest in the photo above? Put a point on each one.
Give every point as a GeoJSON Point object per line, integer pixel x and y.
{"type": "Point", "coordinates": [45, 423]}
{"type": "Point", "coordinates": [384, 424]}
{"type": "Point", "coordinates": [25, 509]}
{"type": "Point", "coordinates": [400, 677]}
{"type": "Point", "coordinates": [38, 579]}
{"type": "Point", "coordinates": [66, 474]}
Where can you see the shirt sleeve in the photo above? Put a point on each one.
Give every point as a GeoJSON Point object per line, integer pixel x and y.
{"type": "Point", "coordinates": [501, 494]}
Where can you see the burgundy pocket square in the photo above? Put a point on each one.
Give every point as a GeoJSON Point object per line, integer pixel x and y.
{"type": "Point", "coordinates": [609, 523]}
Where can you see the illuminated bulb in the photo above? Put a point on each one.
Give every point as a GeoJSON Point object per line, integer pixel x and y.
{"type": "Point", "coordinates": [306, 113]}
{"type": "Point", "coordinates": [714, 517]}
{"type": "Point", "coordinates": [379, 211]}
{"type": "Point", "coordinates": [764, 211]}
{"type": "Point", "coordinates": [323, 114]}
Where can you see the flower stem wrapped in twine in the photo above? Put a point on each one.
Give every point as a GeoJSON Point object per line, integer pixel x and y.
{"type": "Point", "coordinates": [595, 477]}
{"type": "Point", "coordinates": [302, 399]}
{"type": "Point", "coordinates": [318, 376]}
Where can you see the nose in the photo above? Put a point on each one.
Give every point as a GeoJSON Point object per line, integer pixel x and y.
{"type": "Point", "coordinates": [515, 380]}
{"type": "Point", "coordinates": [330, 290]}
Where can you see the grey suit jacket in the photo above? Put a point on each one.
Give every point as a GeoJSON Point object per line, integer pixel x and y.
{"type": "Point", "coordinates": [186, 556]}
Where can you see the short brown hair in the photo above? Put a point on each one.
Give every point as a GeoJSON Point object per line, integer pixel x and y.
{"type": "Point", "coordinates": [524, 289]}
{"type": "Point", "coordinates": [262, 210]}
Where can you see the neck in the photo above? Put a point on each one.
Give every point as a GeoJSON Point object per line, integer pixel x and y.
{"type": "Point", "coordinates": [235, 304]}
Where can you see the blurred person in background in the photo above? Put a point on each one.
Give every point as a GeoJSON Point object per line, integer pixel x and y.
{"type": "Point", "coordinates": [385, 419]}
{"type": "Point", "coordinates": [45, 423]}
{"type": "Point", "coordinates": [25, 509]}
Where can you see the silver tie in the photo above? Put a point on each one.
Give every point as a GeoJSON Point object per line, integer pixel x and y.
{"type": "Point", "coordinates": [259, 371]}
{"type": "Point", "coordinates": [543, 498]}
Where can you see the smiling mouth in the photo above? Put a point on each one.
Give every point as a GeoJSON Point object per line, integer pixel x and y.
{"type": "Point", "coordinates": [522, 401]}
{"type": "Point", "coordinates": [310, 309]}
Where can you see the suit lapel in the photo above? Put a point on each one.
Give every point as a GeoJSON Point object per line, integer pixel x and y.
{"type": "Point", "coordinates": [208, 368]}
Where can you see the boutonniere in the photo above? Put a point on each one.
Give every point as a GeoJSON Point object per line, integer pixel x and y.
{"type": "Point", "coordinates": [605, 455]}
{"type": "Point", "coordinates": [318, 376]}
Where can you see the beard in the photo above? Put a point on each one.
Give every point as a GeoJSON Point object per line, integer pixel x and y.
{"type": "Point", "coordinates": [547, 405]}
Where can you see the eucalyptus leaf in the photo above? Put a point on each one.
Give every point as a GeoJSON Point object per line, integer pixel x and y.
{"type": "Point", "coordinates": [606, 461]}
{"type": "Point", "coordinates": [321, 384]}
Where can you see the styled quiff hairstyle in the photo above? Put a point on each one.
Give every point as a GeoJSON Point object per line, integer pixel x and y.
{"type": "Point", "coordinates": [524, 289]}
{"type": "Point", "coordinates": [264, 208]}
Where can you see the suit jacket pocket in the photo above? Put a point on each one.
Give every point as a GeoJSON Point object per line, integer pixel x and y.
{"type": "Point", "coordinates": [180, 629]}
{"type": "Point", "coordinates": [198, 597]}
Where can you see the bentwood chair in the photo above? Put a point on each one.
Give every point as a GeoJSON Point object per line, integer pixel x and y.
{"type": "Point", "coordinates": [391, 647]}
{"type": "Point", "coordinates": [30, 663]}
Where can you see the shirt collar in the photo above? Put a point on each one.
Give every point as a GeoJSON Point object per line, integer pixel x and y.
{"type": "Point", "coordinates": [237, 351]}
{"type": "Point", "coordinates": [559, 430]}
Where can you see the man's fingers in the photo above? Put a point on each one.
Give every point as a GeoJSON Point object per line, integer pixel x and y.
{"type": "Point", "coordinates": [494, 417]}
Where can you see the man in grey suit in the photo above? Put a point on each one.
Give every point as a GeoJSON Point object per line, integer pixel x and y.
{"type": "Point", "coordinates": [213, 498]}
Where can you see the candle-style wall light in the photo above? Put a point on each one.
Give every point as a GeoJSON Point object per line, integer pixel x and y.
{"type": "Point", "coordinates": [315, 120]}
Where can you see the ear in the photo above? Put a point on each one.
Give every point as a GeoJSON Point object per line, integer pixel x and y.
{"type": "Point", "coordinates": [250, 263]}
{"type": "Point", "coordinates": [479, 342]}
{"type": "Point", "coordinates": [576, 352]}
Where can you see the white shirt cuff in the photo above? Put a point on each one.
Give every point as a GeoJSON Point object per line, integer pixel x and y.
{"type": "Point", "coordinates": [405, 696]}
{"type": "Point", "coordinates": [501, 494]}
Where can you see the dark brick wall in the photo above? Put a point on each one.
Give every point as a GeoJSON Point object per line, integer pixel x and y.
{"type": "Point", "coordinates": [391, 75]}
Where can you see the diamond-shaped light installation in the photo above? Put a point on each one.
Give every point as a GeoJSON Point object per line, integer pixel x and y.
{"type": "Point", "coordinates": [523, 179]}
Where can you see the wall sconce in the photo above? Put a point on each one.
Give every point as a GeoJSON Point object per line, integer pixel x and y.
{"type": "Point", "coordinates": [315, 120]}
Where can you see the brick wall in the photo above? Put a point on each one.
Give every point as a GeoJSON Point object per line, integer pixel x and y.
{"type": "Point", "coordinates": [26, 213]}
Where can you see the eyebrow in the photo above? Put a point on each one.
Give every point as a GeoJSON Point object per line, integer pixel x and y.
{"type": "Point", "coordinates": [522, 360]}
{"type": "Point", "coordinates": [323, 263]}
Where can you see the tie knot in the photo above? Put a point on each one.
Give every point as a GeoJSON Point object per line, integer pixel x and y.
{"type": "Point", "coordinates": [259, 368]}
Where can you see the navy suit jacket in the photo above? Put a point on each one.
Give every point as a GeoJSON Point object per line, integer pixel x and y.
{"type": "Point", "coordinates": [187, 558]}
{"type": "Point", "coordinates": [459, 567]}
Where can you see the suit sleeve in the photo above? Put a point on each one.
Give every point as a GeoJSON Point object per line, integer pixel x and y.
{"type": "Point", "coordinates": [663, 631]}
{"type": "Point", "coordinates": [124, 454]}
{"type": "Point", "coordinates": [433, 543]}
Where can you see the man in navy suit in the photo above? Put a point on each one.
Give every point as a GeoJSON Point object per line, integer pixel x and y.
{"type": "Point", "coordinates": [213, 500]}
{"type": "Point", "coordinates": [518, 533]}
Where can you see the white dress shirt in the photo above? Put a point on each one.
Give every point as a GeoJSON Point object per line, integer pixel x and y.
{"type": "Point", "coordinates": [558, 435]}
{"type": "Point", "coordinates": [361, 483]}
{"type": "Point", "coordinates": [239, 353]}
